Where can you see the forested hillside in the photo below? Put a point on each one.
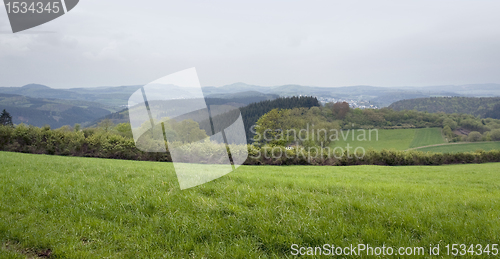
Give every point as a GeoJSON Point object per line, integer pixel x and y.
{"type": "Point", "coordinates": [52, 112]}
{"type": "Point", "coordinates": [484, 107]}
{"type": "Point", "coordinates": [254, 111]}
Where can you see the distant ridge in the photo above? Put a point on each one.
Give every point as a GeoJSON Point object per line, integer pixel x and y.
{"type": "Point", "coordinates": [483, 106]}
{"type": "Point", "coordinates": [54, 112]}
{"type": "Point", "coordinates": [35, 86]}
{"type": "Point", "coordinates": [376, 95]}
{"type": "Point", "coordinates": [246, 94]}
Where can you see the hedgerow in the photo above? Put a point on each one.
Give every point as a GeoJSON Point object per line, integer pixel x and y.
{"type": "Point", "coordinates": [101, 144]}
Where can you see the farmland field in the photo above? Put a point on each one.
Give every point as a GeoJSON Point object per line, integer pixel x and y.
{"type": "Point", "coordinates": [96, 208]}
{"type": "Point", "coordinates": [399, 139]}
{"type": "Point", "coordinates": [462, 147]}
{"type": "Point", "coordinates": [427, 136]}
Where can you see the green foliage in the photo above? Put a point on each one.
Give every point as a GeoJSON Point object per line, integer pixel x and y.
{"type": "Point", "coordinates": [106, 125]}
{"type": "Point", "coordinates": [276, 155]}
{"type": "Point", "coordinates": [6, 118]}
{"type": "Point", "coordinates": [124, 129]}
{"type": "Point", "coordinates": [495, 135]}
{"type": "Point", "coordinates": [474, 136]}
{"type": "Point", "coordinates": [252, 112]}
{"type": "Point", "coordinates": [270, 127]}
{"type": "Point", "coordinates": [186, 131]}
{"type": "Point", "coordinates": [447, 132]}
{"type": "Point", "coordinates": [494, 112]}
{"type": "Point", "coordinates": [389, 119]}
{"type": "Point", "coordinates": [302, 126]}
{"type": "Point", "coordinates": [450, 123]}
{"type": "Point", "coordinates": [483, 107]}
{"type": "Point", "coordinates": [89, 142]}
{"type": "Point", "coordinates": [474, 124]}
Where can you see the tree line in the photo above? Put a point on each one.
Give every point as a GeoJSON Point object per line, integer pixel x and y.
{"type": "Point", "coordinates": [108, 142]}
{"type": "Point", "coordinates": [485, 107]}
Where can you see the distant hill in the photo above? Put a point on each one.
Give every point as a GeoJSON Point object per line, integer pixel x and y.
{"type": "Point", "coordinates": [236, 100]}
{"type": "Point", "coordinates": [41, 91]}
{"type": "Point", "coordinates": [390, 98]}
{"type": "Point", "coordinates": [56, 113]}
{"type": "Point", "coordinates": [110, 96]}
{"type": "Point", "coordinates": [469, 90]}
{"type": "Point", "coordinates": [381, 96]}
{"type": "Point", "coordinates": [483, 107]}
{"type": "Point", "coordinates": [245, 97]}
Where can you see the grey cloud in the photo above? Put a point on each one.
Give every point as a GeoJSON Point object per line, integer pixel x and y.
{"type": "Point", "coordinates": [322, 43]}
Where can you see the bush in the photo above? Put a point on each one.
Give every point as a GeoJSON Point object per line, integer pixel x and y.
{"type": "Point", "coordinates": [450, 123]}
{"type": "Point", "coordinates": [474, 125]}
{"type": "Point", "coordinates": [86, 143]}
{"type": "Point", "coordinates": [495, 135]}
{"type": "Point", "coordinates": [447, 132]}
{"type": "Point", "coordinates": [474, 136]}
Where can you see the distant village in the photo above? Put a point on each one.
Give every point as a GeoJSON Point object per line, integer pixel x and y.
{"type": "Point", "coordinates": [362, 104]}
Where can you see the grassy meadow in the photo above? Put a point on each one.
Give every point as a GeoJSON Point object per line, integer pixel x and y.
{"type": "Point", "coordinates": [100, 208]}
{"type": "Point", "coordinates": [399, 139]}
{"type": "Point", "coordinates": [462, 147]}
{"type": "Point", "coordinates": [426, 137]}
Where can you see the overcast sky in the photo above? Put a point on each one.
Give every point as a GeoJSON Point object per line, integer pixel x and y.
{"type": "Point", "coordinates": [315, 43]}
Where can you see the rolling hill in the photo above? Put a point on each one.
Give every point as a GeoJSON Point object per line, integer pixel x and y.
{"type": "Point", "coordinates": [381, 96]}
{"type": "Point", "coordinates": [56, 113]}
{"type": "Point", "coordinates": [110, 96]}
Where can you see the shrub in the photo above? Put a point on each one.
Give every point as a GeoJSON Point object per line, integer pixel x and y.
{"type": "Point", "coordinates": [474, 136]}
{"type": "Point", "coordinates": [495, 135]}
{"type": "Point", "coordinates": [450, 123]}
{"type": "Point", "coordinates": [447, 132]}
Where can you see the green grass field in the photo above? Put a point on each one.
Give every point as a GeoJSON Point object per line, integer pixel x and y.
{"type": "Point", "coordinates": [427, 136]}
{"type": "Point", "coordinates": [463, 147]}
{"type": "Point", "coordinates": [98, 208]}
{"type": "Point", "coordinates": [399, 139]}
